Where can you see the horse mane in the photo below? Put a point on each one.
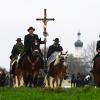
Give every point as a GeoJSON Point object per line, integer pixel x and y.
{"type": "Point", "coordinates": [57, 59]}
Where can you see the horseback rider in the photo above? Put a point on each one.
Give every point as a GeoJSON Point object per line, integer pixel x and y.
{"type": "Point", "coordinates": [32, 42]}
{"type": "Point", "coordinates": [18, 48]}
{"type": "Point", "coordinates": [98, 53]}
{"type": "Point", "coordinates": [56, 47]}
{"type": "Point", "coordinates": [53, 51]}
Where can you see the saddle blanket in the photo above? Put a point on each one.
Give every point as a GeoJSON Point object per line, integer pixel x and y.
{"type": "Point", "coordinates": [52, 58]}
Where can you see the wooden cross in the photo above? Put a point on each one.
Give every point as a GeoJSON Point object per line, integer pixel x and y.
{"type": "Point", "coordinates": [45, 20]}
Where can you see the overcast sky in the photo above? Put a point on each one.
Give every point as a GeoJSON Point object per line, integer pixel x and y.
{"type": "Point", "coordinates": [71, 16]}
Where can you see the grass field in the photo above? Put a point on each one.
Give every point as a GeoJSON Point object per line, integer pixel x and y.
{"type": "Point", "coordinates": [87, 93]}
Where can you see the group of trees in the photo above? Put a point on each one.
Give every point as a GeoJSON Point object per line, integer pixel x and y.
{"type": "Point", "coordinates": [84, 64]}
{"type": "Point", "coordinates": [77, 65]}
{"type": "Point", "coordinates": [90, 52]}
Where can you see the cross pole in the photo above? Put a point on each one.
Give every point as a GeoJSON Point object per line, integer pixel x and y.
{"type": "Point", "coordinates": [45, 20]}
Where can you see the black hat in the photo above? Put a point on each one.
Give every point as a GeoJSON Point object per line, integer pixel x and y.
{"type": "Point", "coordinates": [56, 40]}
{"type": "Point", "coordinates": [30, 28]}
{"type": "Point", "coordinates": [19, 39]}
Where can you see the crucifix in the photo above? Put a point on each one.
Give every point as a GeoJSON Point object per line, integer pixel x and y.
{"type": "Point", "coordinates": [45, 34]}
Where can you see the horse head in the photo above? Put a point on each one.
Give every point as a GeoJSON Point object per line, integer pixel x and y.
{"type": "Point", "coordinates": [36, 54]}
{"type": "Point", "coordinates": [61, 57]}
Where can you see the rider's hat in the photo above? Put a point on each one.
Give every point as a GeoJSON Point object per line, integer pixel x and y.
{"type": "Point", "coordinates": [19, 40]}
{"type": "Point", "coordinates": [56, 40]}
{"type": "Point", "coordinates": [30, 28]}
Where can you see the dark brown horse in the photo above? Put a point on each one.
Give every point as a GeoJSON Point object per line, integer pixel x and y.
{"type": "Point", "coordinates": [57, 70]}
{"type": "Point", "coordinates": [96, 72]}
{"type": "Point", "coordinates": [28, 68]}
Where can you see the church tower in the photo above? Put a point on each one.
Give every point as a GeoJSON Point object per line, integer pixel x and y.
{"type": "Point", "coordinates": [78, 46]}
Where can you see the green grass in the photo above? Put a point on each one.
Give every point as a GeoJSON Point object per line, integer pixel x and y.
{"type": "Point", "coordinates": [87, 93]}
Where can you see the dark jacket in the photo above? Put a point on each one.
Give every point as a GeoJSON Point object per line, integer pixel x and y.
{"type": "Point", "coordinates": [17, 49]}
{"type": "Point", "coordinates": [53, 49]}
{"type": "Point", "coordinates": [98, 45]}
{"type": "Point", "coordinates": [32, 42]}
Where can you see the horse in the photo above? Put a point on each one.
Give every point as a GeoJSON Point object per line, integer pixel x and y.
{"type": "Point", "coordinates": [57, 70]}
{"type": "Point", "coordinates": [13, 65]}
{"type": "Point", "coordinates": [29, 70]}
{"type": "Point", "coordinates": [96, 72]}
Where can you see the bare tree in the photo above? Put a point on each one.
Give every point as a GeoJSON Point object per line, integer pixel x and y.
{"type": "Point", "coordinates": [77, 65]}
{"type": "Point", "coordinates": [89, 52]}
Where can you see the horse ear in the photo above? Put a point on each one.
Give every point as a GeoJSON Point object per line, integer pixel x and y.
{"type": "Point", "coordinates": [66, 52]}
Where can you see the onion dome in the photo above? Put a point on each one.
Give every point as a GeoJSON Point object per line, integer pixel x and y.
{"type": "Point", "coordinates": [78, 43]}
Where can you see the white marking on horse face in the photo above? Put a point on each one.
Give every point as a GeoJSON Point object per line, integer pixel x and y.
{"type": "Point", "coordinates": [36, 50]}
{"type": "Point", "coordinates": [65, 56]}
{"type": "Point", "coordinates": [65, 63]}
{"type": "Point", "coordinates": [57, 59]}
{"type": "Point", "coordinates": [61, 56]}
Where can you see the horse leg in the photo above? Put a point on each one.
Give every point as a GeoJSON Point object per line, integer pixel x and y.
{"type": "Point", "coordinates": [25, 78]}
{"type": "Point", "coordinates": [13, 80]}
{"type": "Point", "coordinates": [57, 82]}
{"type": "Point", "coordinates": [61, 79]}
{"type": "Point", "coordinates": [30, 78]}
{"type": "Point", "coordinates": [18, 79]}
{"type": "Point", "coordinates": [48, 80]}
{"type": "Point", "coordinates": [34, 79]}
{"type": "Point", "coordinates": [25, 81]}
{"type": "Point", "coordinates": [53, 82]}
{"type": "Point", "coordinates": [55, 79]}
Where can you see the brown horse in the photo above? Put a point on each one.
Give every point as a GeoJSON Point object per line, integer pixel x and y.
{"type": "Point", "coordinates": [57, 70]}
{"type": "Point", "coordinates": [28, 68]}
{"type": "Point", "coordinates": [96, 72]}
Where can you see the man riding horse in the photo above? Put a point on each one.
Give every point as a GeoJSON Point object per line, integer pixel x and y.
{"type": "Point", "coordinates": [57, 65]}
{"type": "Point", "coordinates": [31, 60]}
{"type": "Point", "coordinates": [32, 42]}
{"type": "Point", "coordinates": [17, 50]}
{"type": "Point", "coordinates": [53, 51]}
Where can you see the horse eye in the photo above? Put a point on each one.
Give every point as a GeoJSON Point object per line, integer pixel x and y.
{"type": "Point", "coordinates": [59, 56]}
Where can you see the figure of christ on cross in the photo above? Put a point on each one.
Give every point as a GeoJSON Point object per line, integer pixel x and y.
{"type": "Point", "coordinates": [45, 20]}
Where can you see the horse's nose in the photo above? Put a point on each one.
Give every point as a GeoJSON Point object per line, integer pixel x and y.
{"type": "Point", "coordinates": [62, 59]}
